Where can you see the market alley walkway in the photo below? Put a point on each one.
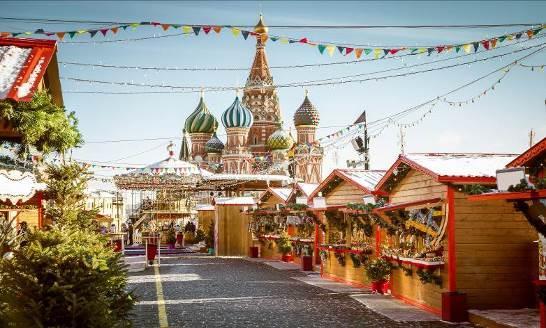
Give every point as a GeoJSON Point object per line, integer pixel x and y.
{"type": "Point", "coordinates": [192, 291]}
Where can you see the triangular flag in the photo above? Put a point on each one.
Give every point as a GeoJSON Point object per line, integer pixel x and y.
{"type": "Point", "coordinates": [292, 41]}
{"type": "Point", "coordinates": [235, 31]}
{"type": "Point", "coordinates": [196, 29]}
{"type": "Point", "coordinates": [376, 53]}
{"type": "Point", "coordinates": [71, 34]}
{"type": "Point", "coordinates": [82, 31]}
{"type": "Point", "coordinates": [394, 51]}
{"type": "Point", "coordinates": [430, 50]}
{"type": "Point", "coordinates": [217, 29]}
{"type": "Point", "coordinates": [358, 52]}
{"type": "Point", "coordinates": [321, 48]}
{"type": "Point", "coordinates": [114, 30]}
{"type": "Point", "coordinates": [186, 29]}
{"type": "Point", "coordinates": [476, 46]}
{"type": "Point", "coordinates": [413, 50]}
{"type": "Point", "coordinates": [28, 33]}
{"type": "Point", "coordinates": [340, 48]}
{"type": "Point", "coordinates": [510, 37]}
{"type": "Point", "coordinates": [207, 29]}
{"type": "Point", "coordinates": [245, 34]}
{"type": "Point", "coordinates": [502, 38]}
{"type": "Point", "coordinates": [39, 31]}
{"type": "Point", "coordinates": [165, 26]}
{"type": "Point", "coordinates": [422, 50]}
{"type": "Point", "coordinates": [457, 48]}
{"type": "Point", "coordinates": [518, 36]}
{"type": "Point", "coordinates": [134, 25]}
{"type": "Point", "coordinates": [176, 26]}
{"type": "Point", "coordinates": [330, 49]}
{"type": "Point", "coordinates": [439, 49]}
{"type": "Point", "coordinates": [386, 51]}
{"type": "Point", "coordinates": [304, 40]}
{"type": "Point", "coordinates": [274, 38]}
{"type": "Point", "coordinates": [284, 40]}
{"type": "Point", "coordinates": [93, 32]}
{"type": "Point", "coordinates": [348, 51]}
{"type": "Point", "coordinates": [493, 43]}
{"type": "Point", "coordinates": [485, 44]}
{"type": "Point", "coordinates": [367, 51]}
{"type": "Point", "coordinates": [529, 33]}
{"type": "Point", "coordinates": [448, 48]}
{"type": "Point", "coordinates": [536, 31]}
{"type": "Point", "coordinates": [104, 31]}
{"type": "Point", "coordinates": [60, 35]}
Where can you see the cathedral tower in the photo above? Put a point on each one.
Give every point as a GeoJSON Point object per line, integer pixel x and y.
{"type": "Point", "coordinates": [237, 120]}
{"type": "Point", "coordinates": [307, 153]}
{"type": "Point", "coordinates": [260, 96]}
{"type": "Point", "coordinates": [200, 125]}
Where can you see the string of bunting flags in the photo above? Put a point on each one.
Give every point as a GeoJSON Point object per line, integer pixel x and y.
{"type": "Point", "coordinates": [328, 48]}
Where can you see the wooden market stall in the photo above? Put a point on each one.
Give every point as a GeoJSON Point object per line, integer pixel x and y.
{"type": "Point", "coordinates": [346, 243]}
{"type": "Point", "coordinates": [523, 185]}
{"type": "Point", "coordinates": [451, 253]}
{"type": "Point", "coordinates": [232, 235]}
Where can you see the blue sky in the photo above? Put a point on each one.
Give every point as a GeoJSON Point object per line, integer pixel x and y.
{"type": "Point", "coordinates": [499, 122]}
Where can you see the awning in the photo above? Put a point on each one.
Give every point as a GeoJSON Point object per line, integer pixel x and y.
{"type": "Point", "coordinates": [392, 207]}
{"type": "Point", "coordinates": [517, 195]}
{"type": "Point", "coordinates": [17, 186]}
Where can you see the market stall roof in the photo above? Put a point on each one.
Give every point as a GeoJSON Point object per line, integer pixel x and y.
{"type": "Point", "coordinates": [452, 167]}
{"type": "Point", "coordinates": [204, 207]}
{"type": "Point", "coordinates": [536, 151]}
{"type": "Point", "coordinates": [306, 190]}
{"type": "Point", "coordinates": [243, 181]}
{"type": "Point", "coordinates": [364, 180]}
{"type": "Point", "coordinates": [281, 193]}
{"type": "Point", "coordinates": [234, 201]}
{"type": "Point", "coordinates": [510, 195]}
{"type": "Point", "coordinates": [396, 206]}
{"type": "Point", "coordinates": [23, 64]}
{"type": "Point", "coordinates": [17, 186]}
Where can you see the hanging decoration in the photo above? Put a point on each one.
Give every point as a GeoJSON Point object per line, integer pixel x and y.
{"type": "Point", "coordinates": [328, 48]}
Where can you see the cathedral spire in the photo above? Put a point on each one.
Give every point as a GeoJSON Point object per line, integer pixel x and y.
{"type": "Point", "coordinates": [259, 73]}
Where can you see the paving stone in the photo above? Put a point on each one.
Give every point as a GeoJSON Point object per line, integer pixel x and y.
{"type": "Point", "coordinates": [231, 292]}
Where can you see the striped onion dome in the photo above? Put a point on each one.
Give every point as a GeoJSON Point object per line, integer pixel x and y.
{"type": "Point", "coordinates": [280, 140]}
{"type": "Point", "coordinates": [237, 116]}
{"type": "Point", "coordinates": [306, 114]}
{"type": "Point", "coordinates": [201, 120]}
{"type": "Point", "coordinates": [214, 145]}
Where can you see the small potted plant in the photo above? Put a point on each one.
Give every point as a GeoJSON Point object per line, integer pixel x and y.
{"type": "Point", "coordinates": [378, 271]}
{"type": "Point", "coordinates": [285, 247]}
{"type": "Point", "coordinates": [171, 238]}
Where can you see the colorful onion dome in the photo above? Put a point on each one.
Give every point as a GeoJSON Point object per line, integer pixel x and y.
{"type": "Point", "coordinates": [280, 140]}
{"type": "Point", "coordinates": [260, 27]}
{"type": "Point", "coordinates": [237, 116]}
{"type": "Point", "coordinates": [214, 145]}
{"type": "Point", "coordinates": [306, 114]}
{"type": "Point", "coordinates": [201, 120]}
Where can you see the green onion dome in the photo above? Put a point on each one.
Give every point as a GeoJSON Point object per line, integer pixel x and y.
{"type": "Point", "coordinates": [201, 120]}
{"type": "Point", "coordinates": [306, 114]}
{"type": "Point", "coordinates": [237, 116]}
{"type": "Point", "coordinates": [280, 140]}
{"type": "Point", "coordinates": [214, 145]}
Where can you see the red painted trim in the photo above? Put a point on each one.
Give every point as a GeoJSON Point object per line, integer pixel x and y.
{"type": "Point", "coordinates": [353, 283]}
{"type": "Point", "coordinates": [407, 204]}
{"type": "Point", "coordinates": [27, 42]}
{"type": "Point", "coordinates": [322, 184]}
{"type": "Point", "coordinates": [418, 304]}
{"type": "Point", "coordinates": [529, 154]}
{"type": "Point", "coordinates": [316, 245]}
{"type": "Point", "coordinates": [340, 173]}
{"type": "Point", "coordinates": [532, 194]}
{"type": "Point", "coordinates": [451, 245]}
{"type": "Point", "coordinates": [457, 179]}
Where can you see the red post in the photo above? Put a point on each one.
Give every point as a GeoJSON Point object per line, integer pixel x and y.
{"type": "Point", "coordinates": [451, 258]}
{"type": "Point", "coordinates": [39, 197]}
{"type": "Point", "coordinates": [316, 244]}
{"type": "Point", "coordinates": [378, 241]}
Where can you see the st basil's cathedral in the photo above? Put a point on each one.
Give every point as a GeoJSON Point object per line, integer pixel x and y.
{"type": "Point", "coordinates": [256, 142]}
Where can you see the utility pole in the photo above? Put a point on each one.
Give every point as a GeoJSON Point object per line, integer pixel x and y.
{"type": "Point", "coordinates": [532, 135]}
{"type": "Point", "coordinates": [402, 141]}
{"type": "Point", "coordinates": [366, 145]}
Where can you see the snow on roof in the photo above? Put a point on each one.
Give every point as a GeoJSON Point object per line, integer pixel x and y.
{"type": "Point", "coordinates": [248, 177]}
{"type": "Point", "coordinates": [205, 207]}
{"type": "Point", "coordinates": [367, 179]}
{"type": "Point", "coordinates": [18, 186]}
{"type": "Point", "coordinates": [307, 188]}
{"type": "Point", "coordinates": [460, 164]}
{"type": "Point", "coordinates": [282, 193]}
{"type": "Point", "coordinates": [529, 155]}
{"type": "Point", "coordinates": [244, 201]}
{"type": "Point", "coordinates": [23, 63]}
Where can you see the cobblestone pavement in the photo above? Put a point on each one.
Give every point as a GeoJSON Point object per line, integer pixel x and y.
{"type": "Point", "coordinates": [219, 292]}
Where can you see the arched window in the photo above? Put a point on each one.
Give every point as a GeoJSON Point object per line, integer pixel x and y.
{"type": "Point", "coordinates": [255, 140]}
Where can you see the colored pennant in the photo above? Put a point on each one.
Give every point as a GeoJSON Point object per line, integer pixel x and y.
{"type": "Point", "coordinates": [235, 31]}
{"type": "Point", "coordinates": [321, 48]}
{"type": "Point", "coordinates": [330, 49]}
{"type": "Point", "coordinates": [476, 46]}
{"type": "Point", "coordinates": [493, 43]}
{"type": "Point", "coordinates": [348, 50]}
{"type": "Point", "coordinates": [376, 53]}
{"type": "Point", "coordinates": [467, 47]}
{"type": "Point", "coordinates": [60, 35]}
{"type": "Point", "coordinates": [367, 51]}
{"type": "Point", "coordinates": [358, 52]}
{"type": "Point", "coordinates": [274, 38]}
{"type": "Point", "coordinates": [196, 29]}
{"type": "Point", "coordinates": [340, 49]}
{"type": "Point", "coordinates": [207, 29]}
{"type": "Point", "coordinates": [485, 44]}
{"type": "Point", "coordinates": [114, 30]}
{"type": "Point", "coordinates": [93, 32]}
{"type": "Point", "coordinates": [393, 51]}
{"type": "Point", "coordinates": [304, 40]}
{"type": "Point", "coordinates": [245, 34]}
{"type": "Point", "coordinates": [104, 31]}
{"type": "Point", "coordinates": [165, 26]}
{"type": "Point", "coordinates": [71, 34]}
{"type": "Point", "coordinates": [217, 29]}
{"type": "Point", "coordinates": [440, 49]}
{"type": "Point", "coordinates": [186, 29]}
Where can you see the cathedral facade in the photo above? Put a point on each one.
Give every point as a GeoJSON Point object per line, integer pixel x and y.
{"type": "Point", "coordinates": [256, 142]}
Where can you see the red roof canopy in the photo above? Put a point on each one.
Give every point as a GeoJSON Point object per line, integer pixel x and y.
{"type": "Point", "coordinates": [24, 64]}
{"type": "Point", "coordinates": [530, 154]}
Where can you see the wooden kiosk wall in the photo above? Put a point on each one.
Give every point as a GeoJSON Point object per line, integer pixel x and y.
{"type": "Point", "coordinates": [233, 237]}
{"type": "Point", "coordinates": [343, 194]}
{"type": "Point", "coordinates": [493, 254]}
